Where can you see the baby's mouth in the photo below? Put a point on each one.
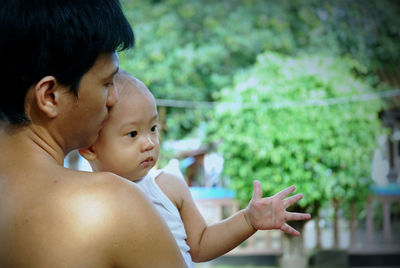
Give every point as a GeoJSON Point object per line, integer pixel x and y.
{"type": "Point", "coordinates": [147, 161]}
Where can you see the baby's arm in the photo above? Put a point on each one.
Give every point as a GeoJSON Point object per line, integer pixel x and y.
{"type": "Point", "coordinates": [209, 242]}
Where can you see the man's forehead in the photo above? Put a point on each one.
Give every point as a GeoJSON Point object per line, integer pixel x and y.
{"type": "Point", "coordinates": [106, 66]}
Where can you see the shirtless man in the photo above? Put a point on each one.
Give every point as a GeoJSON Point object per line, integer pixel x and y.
{"type": "Point", "coordinates": [58, 63]}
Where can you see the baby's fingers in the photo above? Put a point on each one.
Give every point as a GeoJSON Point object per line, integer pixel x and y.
{"type": "Point", "coordinates": [257, 193]}
{"type": "Point", "coordinates": [282, 194]}
{"type": "Point", "coordinates": [290, 230]}
{"type": "Point", "coordinates": [291, 200]}
{"type": "Point", "coordinates": [295, 216]}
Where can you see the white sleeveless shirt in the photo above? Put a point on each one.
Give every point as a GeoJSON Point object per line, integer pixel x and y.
{"type": "Point", "coordinates": [168, 211]}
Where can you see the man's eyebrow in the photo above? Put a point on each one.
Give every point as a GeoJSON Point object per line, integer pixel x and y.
{"type": "Point", "coordinates": [116, 71]}
{"type": "Point", "coordinates": [112, 75]}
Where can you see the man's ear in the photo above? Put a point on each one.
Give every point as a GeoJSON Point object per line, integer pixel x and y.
{"type": "Point", "coordinates": [47, 92]}
{"type": "Point", "coordinates": [88, 153]}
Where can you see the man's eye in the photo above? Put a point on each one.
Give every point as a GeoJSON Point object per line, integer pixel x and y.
{"type": "Point", "coordinates": [109, 85]}
{"type": "Point", "coordinates": [132, 134]}
{"type": "Point", "coordinates": [154, 128]}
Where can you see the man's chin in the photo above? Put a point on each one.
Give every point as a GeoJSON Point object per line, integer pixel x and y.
{"type": "Point", "coordinates": [92, 139]}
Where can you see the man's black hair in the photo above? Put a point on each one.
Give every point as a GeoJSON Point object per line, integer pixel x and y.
{"type": "Point", "coordinates": [62, 38]}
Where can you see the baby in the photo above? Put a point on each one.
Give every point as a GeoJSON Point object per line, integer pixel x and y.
{"type": "Point", "coordinates": [128, 145]}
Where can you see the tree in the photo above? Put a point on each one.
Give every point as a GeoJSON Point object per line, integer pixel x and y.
{"type": "Point", "coordinates": [190, 50]}
{"type": "Point", "coordinates": [296, 121]}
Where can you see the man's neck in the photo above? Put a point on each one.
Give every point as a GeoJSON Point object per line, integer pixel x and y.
{"type": "Point", "coordinates": [31, 138]}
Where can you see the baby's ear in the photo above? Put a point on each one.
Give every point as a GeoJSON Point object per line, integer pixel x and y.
{"type": "Point", "coordinates": [88, 153]}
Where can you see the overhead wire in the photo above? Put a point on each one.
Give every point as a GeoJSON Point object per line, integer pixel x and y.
{"type": "Point", "coordinates": [279, 104]}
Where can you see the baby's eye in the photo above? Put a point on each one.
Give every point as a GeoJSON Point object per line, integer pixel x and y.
{"type": "Point", "coordinates": [154, 128]}
{"type": "Point", "coordinates": [132, 134]}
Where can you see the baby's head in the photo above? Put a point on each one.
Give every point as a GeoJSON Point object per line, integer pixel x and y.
{"type": "Point", "coordinates": [128, 143]}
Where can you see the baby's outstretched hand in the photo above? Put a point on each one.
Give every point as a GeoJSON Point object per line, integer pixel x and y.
{"type": "Point", "coordinates": [270, 212]}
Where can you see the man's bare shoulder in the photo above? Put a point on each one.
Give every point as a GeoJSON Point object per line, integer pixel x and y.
{"type": "Point", "coordinates": [98, 198]}
{"type": "Point", "coordinates": [79, 219]}
{"type": "Point", "coordinates": [98, 205]}
{"type": "Point", "coordinates": [116, 214]}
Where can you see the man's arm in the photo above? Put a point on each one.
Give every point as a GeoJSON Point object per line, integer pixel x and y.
{"type": "Point", "coordinates": [137, 235]}
{"type": "Point", "coordinates": [209, 242]}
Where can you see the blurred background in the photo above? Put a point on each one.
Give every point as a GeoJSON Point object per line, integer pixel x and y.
{"type": "Point", "coordinates": [285, 92]}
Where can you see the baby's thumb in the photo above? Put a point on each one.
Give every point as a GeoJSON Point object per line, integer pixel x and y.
{"type": "Point", "coordinates": [257, 194]}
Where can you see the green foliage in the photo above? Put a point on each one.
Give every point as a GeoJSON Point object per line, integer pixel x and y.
{"type": "Point", "coordinates": [325, 150]}
{"type": "Point", "coordinates": [190, 50]}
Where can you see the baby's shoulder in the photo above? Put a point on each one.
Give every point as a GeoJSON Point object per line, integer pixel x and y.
{"type": "Point", "coordinates": [174, 187]}
{"type": "Point", "coordinates": [168, 179]}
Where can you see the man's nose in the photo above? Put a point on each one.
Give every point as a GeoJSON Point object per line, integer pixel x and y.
{"type": "Point", "coordinates": [111, 97]}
